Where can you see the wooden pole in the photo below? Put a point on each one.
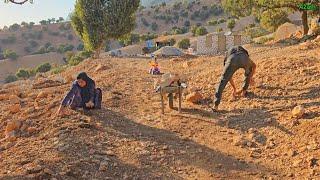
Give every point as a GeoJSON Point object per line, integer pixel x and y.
{"type": "Point", "coordinates": [171, 100]}
{"type": "Point", "coordinates": [162, 103]}
{"type": "Point", "coordinates": [180, 98]}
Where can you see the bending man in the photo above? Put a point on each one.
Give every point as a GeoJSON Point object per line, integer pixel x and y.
{"type": "Point", "coordinates": [236, 58]}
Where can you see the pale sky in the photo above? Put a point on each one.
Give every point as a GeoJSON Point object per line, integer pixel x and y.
{"type": "Point", "coordinates": [39, 10]}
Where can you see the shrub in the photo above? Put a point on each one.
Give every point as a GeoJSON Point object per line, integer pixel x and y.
{"type": "Point", "coordinates": [75, 60]}
{"type": "Point", "coordinates": [187, 23]}
{"type": "Point", "coordinates": [220, 21]}
{"type": "Point", "coordinates": [154, 26]}
{"type": "Point", "coordinates": [256, 32]}
{"type": "Point", "coordinates": [85, 54]}
{"type": "Point", "coordinates": [51, 49]}
{"type": "Point", "coordinates": [271, 20]}
{"type": "Point", "coordinates": [33, 43]}
{"type": "Point", "coordinates": [184, 44]}
{"type": "Point", "coordinates": [212, 22]}
{"type": "Point", "coordinates": [43, 68]}
{"type": "Point", "coordinates": [23, 73]}
{"type": "Point", "coordinates": [201, 31]}
{"type": "Point", "coordinates": [32, 72]}
{"type": "Point", "coordinates": [10, 54]}
{"type": "Point", "coordinates": [41, 50]}
{"type": "Point", "coordinates": [48, 44]}
{"type": "Point", "coordinates": [10, 78]}
{"type": "Point", "coordinates": [80, 47]}
{"type": "Point", "coordinates": [58, 69]}
{"type": "Point", "coordinates": [28, 49]}
{"type": "Point", "coordinates": [70, 37]}
{"type": "Point", "coordinates": [231, 24]}
{"type": "Point", "coordinates": [144, 22]}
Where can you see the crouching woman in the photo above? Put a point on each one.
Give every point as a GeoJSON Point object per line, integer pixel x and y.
{"type": "Point", "coordinates": [83, 94]}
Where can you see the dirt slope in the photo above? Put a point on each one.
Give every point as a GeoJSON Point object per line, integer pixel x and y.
{"type": "Point", "coordinates": [253, 138]}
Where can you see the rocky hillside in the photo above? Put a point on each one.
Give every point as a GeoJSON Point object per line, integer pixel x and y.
{"type": "Point", "coordinates": [253, 138]}
{"type": "Point", "coordinates": [39, 39]}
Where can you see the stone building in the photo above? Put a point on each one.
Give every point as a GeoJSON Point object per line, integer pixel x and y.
{"type": "Point", "coordinates": [215, 43]}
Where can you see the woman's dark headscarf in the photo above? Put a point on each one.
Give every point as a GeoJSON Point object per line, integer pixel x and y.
{"type": "Point", "coordinates": [85, 91]}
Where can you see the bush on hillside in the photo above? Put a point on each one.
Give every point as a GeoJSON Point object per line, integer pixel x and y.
{"type": "Point", "coordinates": [201, 31]}
{"type": "Point", "coordinates": [28, 49]}
{"type": "Point", "coordinates": [51, 49]}
{"type": "Point", "coordinates": [184, 44]}
{"type": "Point", "coordinates": [231, 24]}
{"type": "Point", "coordinates": [42, 68]}
{"type": "Point", "coordinates": [10, 79]}
{"type": "Point", "coordinates": [70, 37]}
{"type": "Point", "coordinates": [154, 26]}
{"type": "Point", "coordinates": [144, 22]}
{"type": "Point", "coordinates": [33, 43]}
{"type": "Point", "coordinates": [187, 23]}
{"type": "Point", "coordinates": [75, 60]}
{"type": "Point", "coordinates": [256, 32]}
{"type": "Point", "coordinates": [212, 22]}
{"type": "Point", "coordinates": [59, 69]}
{"type": "Point", "coordinates": [32, 72]}
{"type": "Point", "coordinates": [80, 47]}
{"type": "Point", "coordinates": [85, 54]}
{"type": "Point", "coordinates": [220, 21]}
{"type": "Point", "coordinates": [10, 54]}
{"type": "Point", "coordinates": [23, 73]}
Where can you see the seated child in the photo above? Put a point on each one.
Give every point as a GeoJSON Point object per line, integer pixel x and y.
{"type": "Point", "coordinates": [154, 67]}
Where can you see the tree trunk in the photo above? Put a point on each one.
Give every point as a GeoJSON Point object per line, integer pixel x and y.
{"type": "Point", "coordinates": [97, 53]}
{"type": "Point", "coordinates": [304, 18]}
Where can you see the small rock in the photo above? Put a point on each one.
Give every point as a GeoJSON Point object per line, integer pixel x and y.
{"type": "Point", "coordinates": [298, 111]}
{"type": "Point", "coordinates": [103, 166]}
{"type": "Point", "coordinates": [15, 108]}
{"type": "Point", "coordinates": [313, 162]}
{"type": "Point", "coordinates": [13, 125]}
{"type": "Point", "coordinates": [296, 163]}
{"type": "Point", "coordinates": [42, 94]}
{"type": "Point", "coordinates": [292, 153]}
{"type": "Point", "coordinates": [31, 130]}
{"type": "Point", "coordinates": [100, 67]}
{"type": "Point", "coordinates": [194, 97]}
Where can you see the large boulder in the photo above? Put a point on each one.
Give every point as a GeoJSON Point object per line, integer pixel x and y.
{"type": "Point", "coordinates": [285, 31]}
{"type": "Point", "coordinates": [169, 51]}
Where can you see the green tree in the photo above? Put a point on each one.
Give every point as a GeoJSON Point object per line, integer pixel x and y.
{"type": "Point", "coordinates": [242, 8]}
{"type": "Point", "coordinates": [184, 43]}
{"type": "Point", "coordinates": [10, 54]}
{"type": "Point", "coordinates": [231, 24]}
{"type": "Point", "coordinates": [201, 31]}
{"type": "Point", "coordinates": [42, 68]}
{"type": "Point", "coordinates": [271, 20]}
{"type": "Point", "coordinates": [23, 73]}
{"type": "Point", "coordinates": [10, 78]}
{"type": "Point", "coordinates": [95, 21]}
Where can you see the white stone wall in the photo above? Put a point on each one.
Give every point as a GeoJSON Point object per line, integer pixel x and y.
{"type": "Point", "coordinates": [245, 40]}
{"type": "Point", "coordinates": [202, 47]}
{"type": "Point", "coordinates": [229, 42]}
